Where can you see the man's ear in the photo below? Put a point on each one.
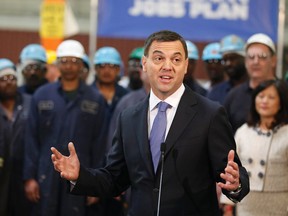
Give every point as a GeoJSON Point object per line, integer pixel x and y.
{"type": "Point", "coordinates": [143, 61]}
{"type": "Point", "coordinates": [274, 61]}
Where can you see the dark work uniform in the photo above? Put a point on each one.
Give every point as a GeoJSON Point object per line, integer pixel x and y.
{"type": "Point", "coordinates": [237, 104]}
{"type": "Point", "coordinates": [56, 118]}
{"type": "Point", "coordinates": [219, 92]}
{"type": "Point", "coordinates": [11, 180]}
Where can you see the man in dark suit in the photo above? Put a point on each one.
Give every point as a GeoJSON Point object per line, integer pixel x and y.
{"type": "Point", "coordinates": [199, 146]}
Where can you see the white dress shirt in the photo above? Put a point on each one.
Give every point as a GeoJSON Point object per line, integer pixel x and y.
{"type": "Point", "coordinates": [173, 100]}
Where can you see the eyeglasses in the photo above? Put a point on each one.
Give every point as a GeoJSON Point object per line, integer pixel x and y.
{"type": "Point", "coordinates": [33, 67]}
{"type": "Point", "coordinates": [72, 61]}
{"type": "Point", "coordinates": [8, 78]}
{"type": "Point", "coordinates": [107, 65]}
{"type": "Point", "coordinates": [214, 61]}
{"type": "Point", "coordinates": [261, 56]}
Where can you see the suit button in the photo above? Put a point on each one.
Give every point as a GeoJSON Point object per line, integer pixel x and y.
{"type": "Point", "coordinates": [262, 162]}
{"type": "Point", "coordinates": [155, 190]}
{"type": "Point", "coordinates": [250, 160]}
{"type": "Point", "coordinates": [260, 175]}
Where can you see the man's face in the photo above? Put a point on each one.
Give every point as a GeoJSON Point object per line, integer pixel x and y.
{"type": "Point", "coordinates": [34, 74]}
{"type": "Point", "coordinates": [70, 68]}
{"type": "Point", "coordinates": [165, 65]}
{"type": "Point", "coordinates": [259, 61]}
{"type": "Point", "coordinates": [214, 69]}
{"type": "Point", "coordinates": [234, 65]}
{"type": "Point", "coordinates": [107, 73]}
{"type": "Point", "coordinates": [8, 87]}
{"type": "Point", "coordinates": [134, 70]}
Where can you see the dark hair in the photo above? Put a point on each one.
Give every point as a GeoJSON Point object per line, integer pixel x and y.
{"type": "Point", "coordinates": [282, 116]}
{"type": "Point", "coordinates": [164, 36]}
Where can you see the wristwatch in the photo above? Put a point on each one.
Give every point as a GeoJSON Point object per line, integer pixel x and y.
{"type": "Point", "coordinates": [237, 191]}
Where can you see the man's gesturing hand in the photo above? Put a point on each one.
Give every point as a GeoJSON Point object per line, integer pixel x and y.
{"type": "Point", "coordinates": [231, 175]}
{"type": "Point", "coordinates": [68, 167]}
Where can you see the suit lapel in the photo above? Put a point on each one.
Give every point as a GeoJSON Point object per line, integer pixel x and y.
{"type": "Point", "coordinates": [140, 116]}
{"type": "Point", "coordinates": [184, 114]}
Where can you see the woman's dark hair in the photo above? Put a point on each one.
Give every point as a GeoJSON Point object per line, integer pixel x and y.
{"type": "Point", "coordinates": [164, 36]}
{"type": "Point", "coordinates": [282, 116]}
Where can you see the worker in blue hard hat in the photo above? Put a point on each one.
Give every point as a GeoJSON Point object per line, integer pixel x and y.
{"type": "Point", "coordinates": [189, 79]}
{"type": "Point", "coordinates": [14, 107]}
{"type": "Point", "coordinates": [107, 62]}
{"type": "Point", "coordinates": [232, 48]}
{"type": "Point", "coordinates": [213, 63]}
{"type": "Point", "coordinates": [33, 61]}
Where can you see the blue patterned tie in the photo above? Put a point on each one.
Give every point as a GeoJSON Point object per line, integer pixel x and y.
{"type": "Point", "coordinates": [157, 134]}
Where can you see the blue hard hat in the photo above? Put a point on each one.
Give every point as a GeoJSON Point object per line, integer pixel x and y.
{"type": "Point", "coordinates": [232, 44]}
{"type": "Point", "coordinates": [107, 55]}
{"type": "Point", "coordinates": [211, 51]}
{"type": "Point", "coordinates": [6, 63]}
{"type": "Point", "coordinates": [33, 52]}
{"type": "Point", "coordinates": [192, 50]}
{"type": "Point", "coordinates": [86, 61]}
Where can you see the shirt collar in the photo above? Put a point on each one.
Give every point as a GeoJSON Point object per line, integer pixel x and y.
{"type": "Point", "coordinates": [173, 99]}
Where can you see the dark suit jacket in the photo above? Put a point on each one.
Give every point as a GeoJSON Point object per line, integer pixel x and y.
{"type": "Point", "coordinates": [197, 146]}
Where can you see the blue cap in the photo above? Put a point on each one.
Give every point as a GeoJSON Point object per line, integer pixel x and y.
{"type": "Point", "coordinates": [107, 55]}
{"type": "Point", "coordinates": [7, 67]}
{"type": "Point", "coordinates": [86, 61]}
{"type": "Point", "coordinates": [33, 52]}
{"type": "Point", "coordinates": [211, 51]}
{"type": "Point", "coordinates": [6, 63]}
{"type": "Point", "coordinates": [232, 44]}
{"type": "Point", "coordinates": [192, 50]}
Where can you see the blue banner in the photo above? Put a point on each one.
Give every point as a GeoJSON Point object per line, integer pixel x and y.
{"type": "Point", "coordinates": [197, 20]}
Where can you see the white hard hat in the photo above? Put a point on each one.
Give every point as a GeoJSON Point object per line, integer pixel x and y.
{"type": "Point", "coordinates": [262, 39]}
{"type": "Point", "coordinates": [71, 48]}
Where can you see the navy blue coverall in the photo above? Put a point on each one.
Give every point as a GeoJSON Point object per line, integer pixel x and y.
{"type": "Point", "coordinates": [55, 120]}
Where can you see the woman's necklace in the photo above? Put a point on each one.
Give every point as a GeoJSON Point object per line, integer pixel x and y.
{"type": "Point", "coordinates": [268, 133]}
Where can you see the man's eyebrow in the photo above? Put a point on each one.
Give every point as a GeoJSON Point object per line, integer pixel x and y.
{"type": "Point", "coordinates": [157, 52]}
{"type": "Point", "coordinates": [160, 52]}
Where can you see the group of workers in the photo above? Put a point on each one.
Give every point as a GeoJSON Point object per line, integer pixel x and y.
{"type": "Point", "coordinates": [54, 105]}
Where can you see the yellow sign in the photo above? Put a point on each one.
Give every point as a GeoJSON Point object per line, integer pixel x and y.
{"type": "Point", "coordinates": [52, 19]}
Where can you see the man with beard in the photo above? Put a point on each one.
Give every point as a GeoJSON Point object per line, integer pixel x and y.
{"type": "Point", "coordinates": [33, 67]}
{"type": "Point", "coordinates": [14, 108]}
{"type": "Point", "coordinates": [233, 59]}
